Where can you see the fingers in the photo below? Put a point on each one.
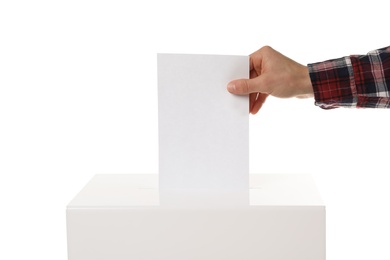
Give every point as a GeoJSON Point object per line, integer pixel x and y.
{"type": "Point", "coordinates": [251, 63]}
{"type": "Point", "coordinates": [257, 103]}
{"type": "Point", "coordinates": [252, 100]}
{"type": "Point", "coordinates": [244, 86]}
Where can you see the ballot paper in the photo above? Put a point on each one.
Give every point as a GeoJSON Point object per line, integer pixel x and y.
{"type": "Point", "coordinates": [203, 129]}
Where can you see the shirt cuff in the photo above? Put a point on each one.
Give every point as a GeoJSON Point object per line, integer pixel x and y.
{"type": "Point", "coordinates": [333, 83]}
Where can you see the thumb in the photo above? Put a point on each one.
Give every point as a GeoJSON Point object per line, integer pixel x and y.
{"type": "Point", "coordinates": [244, 86]}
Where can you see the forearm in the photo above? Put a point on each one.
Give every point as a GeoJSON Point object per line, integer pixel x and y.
{"type": "Point", "coordinates": [353, 81]}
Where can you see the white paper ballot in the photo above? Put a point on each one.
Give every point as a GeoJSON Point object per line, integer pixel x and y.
{"type": "Point", "coordinates": [203, 129]}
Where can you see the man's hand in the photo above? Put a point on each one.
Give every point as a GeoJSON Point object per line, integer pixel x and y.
{"type": "Point", "coordinates": [272, 73]}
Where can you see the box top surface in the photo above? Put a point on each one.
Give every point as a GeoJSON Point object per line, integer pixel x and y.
{"type": "Point", "coordinates": [141, 191]}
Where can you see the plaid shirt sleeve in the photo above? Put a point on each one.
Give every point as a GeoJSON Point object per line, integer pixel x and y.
{"type": "Point", "coordinates": [361, 81]}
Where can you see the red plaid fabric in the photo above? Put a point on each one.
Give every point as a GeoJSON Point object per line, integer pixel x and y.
{"type": "Point", "coordinates": [353, 81]}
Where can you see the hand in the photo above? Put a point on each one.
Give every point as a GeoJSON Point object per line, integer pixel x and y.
{"type": "Point", "coordinates": [272, 73]}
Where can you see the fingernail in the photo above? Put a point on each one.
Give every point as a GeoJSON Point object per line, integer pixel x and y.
{"type": "Point", "coordinates": [231, 87]}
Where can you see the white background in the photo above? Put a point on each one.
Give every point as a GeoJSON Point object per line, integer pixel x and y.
{"type": "Point", "coordinates": [78, 96]}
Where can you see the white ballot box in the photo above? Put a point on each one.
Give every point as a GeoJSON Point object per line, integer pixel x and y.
{"type": "Point", "coordinates": [127, 217]}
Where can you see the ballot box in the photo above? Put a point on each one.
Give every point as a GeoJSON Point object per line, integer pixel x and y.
{"type": "Point", "coordinates": [127, 217]}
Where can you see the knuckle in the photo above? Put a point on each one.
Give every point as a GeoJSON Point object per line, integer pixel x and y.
{"type": "Point", "coordinates": [266, 48]}
{"type": "Point", "coordinates": [245, 87]}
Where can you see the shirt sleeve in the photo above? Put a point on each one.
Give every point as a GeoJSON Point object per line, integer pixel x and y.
{"type": "Point", "coordinates": [361, 81]}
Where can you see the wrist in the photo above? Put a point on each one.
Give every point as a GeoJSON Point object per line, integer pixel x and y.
{"type": "Point", "coordinates": [305, 86]}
